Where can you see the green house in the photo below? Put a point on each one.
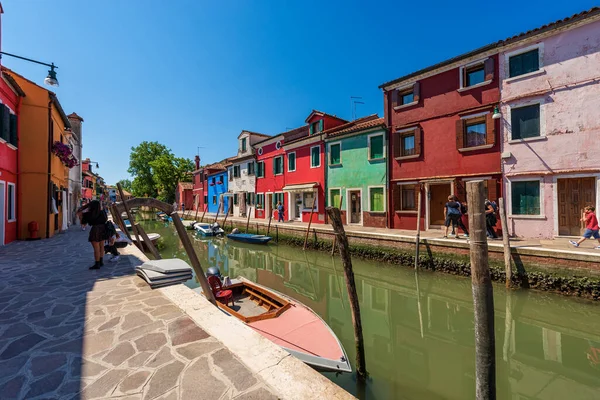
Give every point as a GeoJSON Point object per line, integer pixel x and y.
{"type": "Point", "coordinates": [356, 173]}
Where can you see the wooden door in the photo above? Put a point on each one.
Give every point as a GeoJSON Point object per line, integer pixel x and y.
{"type": "Point", "coordinates": [438, 196]}
{"type": "Point", "coordinates": [355, 210]}
{"type": "Point", "coordinates": [573, 195]}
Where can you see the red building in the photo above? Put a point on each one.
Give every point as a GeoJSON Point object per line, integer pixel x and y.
{"type": "Point", "coordinates": [185, 194]}
{"type": "Point", "coordinates": [198, 186]}
{"type": "Point", "coordinates": [442, 135]}
{"type": "Point", "coordinates": [270, 176]}
{"type": "Point", "coordinates": [305, 168]}
{"type": "Point", "coordinates": [10, 97]}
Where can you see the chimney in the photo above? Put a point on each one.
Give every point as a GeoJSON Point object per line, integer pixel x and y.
{"type": "Point", "coordinates": [75, 121]}
{"type": "Point", "coordinates": [197, 159]}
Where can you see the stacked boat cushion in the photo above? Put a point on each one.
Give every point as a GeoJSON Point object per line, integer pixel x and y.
{"type": "Point", "coordinates": [159, 273]}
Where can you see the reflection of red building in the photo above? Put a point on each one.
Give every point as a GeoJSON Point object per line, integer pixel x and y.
{"type": "Point", "coordinates": [10, 96]}
{"type": "Point", "coordinates": [270, 178]}
{"type": "Point", "coordinates": [305, 167]}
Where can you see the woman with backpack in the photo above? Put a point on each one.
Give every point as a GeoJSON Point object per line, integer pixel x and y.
{"type": "Point", "coordinates": [96, 218]}
{"type": "Point", "coordinates": [490, 218]}
{"type": "Point", "coordinates": [453, 215]}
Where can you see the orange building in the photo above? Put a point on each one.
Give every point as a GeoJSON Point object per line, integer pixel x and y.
{"type": "Point", "coordinates": [43, 175]}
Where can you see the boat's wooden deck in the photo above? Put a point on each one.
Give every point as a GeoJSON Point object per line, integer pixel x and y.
{"type": "Point", "coordinates": [247, 307]}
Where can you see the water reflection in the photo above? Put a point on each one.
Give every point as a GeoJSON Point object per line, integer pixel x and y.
{"type": "Point", "coordinates": [422, 347]}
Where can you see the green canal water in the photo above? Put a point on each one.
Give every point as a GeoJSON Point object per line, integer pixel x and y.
{"type": "Point", "coordinates": [418, 330]}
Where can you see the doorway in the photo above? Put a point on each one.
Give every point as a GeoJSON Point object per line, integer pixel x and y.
{"type": "Point", "coordinates": [438, 196]}
{"type": "Point", "coordinates": [354, 197]}
{"type": "Point", "coordinates": [297, 207]}
{"type": "Point", "coordinates": [573, 195]}
{"type": "Point", "coordinates": [2, 208]}
{"type": "Point", "coordinates": [268, 204]}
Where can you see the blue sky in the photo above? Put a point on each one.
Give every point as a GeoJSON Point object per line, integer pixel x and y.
{"type": "Point", "coordinates": [191, 73]}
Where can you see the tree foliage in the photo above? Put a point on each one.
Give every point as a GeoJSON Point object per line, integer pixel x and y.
{"type": "Point", "coordinates": [156, 171]}
{"type": "Point", "coordinates": [125, 184]}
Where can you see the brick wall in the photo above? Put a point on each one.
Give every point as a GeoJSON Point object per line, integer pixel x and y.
{"type": "Point", "coordinates": [375, 220]}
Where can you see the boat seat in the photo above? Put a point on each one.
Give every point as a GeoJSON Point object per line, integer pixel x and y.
{"type": "Point", "coordinates": [222, 295]}
{"type": "Point", "coordinates": [261, 300]}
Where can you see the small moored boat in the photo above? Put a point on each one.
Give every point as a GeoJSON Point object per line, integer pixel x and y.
{"type": "Point", "coordinates": [286, 322]}
{"type": "Point", "coordinates": [249, 238]}
{"type": "Point", "coordinates": [127, 224]}
{"type": "Point", "coordinates": [206, 229]}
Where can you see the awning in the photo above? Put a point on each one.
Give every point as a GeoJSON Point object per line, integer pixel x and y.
{"type": "Point", "coordinates": [303, 187]}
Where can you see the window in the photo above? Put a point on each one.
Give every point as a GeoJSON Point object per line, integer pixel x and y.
{"type": "Point", "coordinates": [315, 156]}
{"type": "Point", "coordinates": [376, 199]}
{"type": "Point", "coordinates": [334, 198]}
{"type": "Point", "coordinates": [243, 145]}
{"type": "Point", "coordinates": [408, 143]}
{"type": "Point", "coordinates": [213, 180]}
{"type": "Point", "coordinates": [236, 171]}
{"type": "Point", "coordinates": [307, 200]}
{"type": "Point", "coordinates": [260, 169]}
{"type": "Point", "coordinates": [407, 97]}
{"type": "Point", "coordinates": [249, 198]}
{"type": "Point", "coordinates": [335, 154]}
{"type": "Point", "coordinates": [230, 173]}
{"type": "Point", "coordinates": [205, 199]}
{"type": "Point", "coordinates": [260, 200]}
{"type": "Point", "coordinates": [525, 121]}
{"type": "Point", "coordinates": [526, 198]}
{"type": "Point", "coordinates": [405, 198]}
{"type": "Point", "coordinates": [291, 162]}
{"type": "Point", "coordinates": [278, 165]}
{"type": "Point", "coordinates": [251, 168]}
{"type": "Point", "coordinates": [316, 127]}
{"type": "Point", "coordinates": [235, 199]}
{"type": "Point", "coordinates": [214, 200]}
{"type": "Point", "coordinates": [524, 63]}
{"type": "Point", "coordinates": [10, 209]}
{"type": "Point", "coordinates": [473, 75]}
{"type": "Point", "coordinates": [13, 130]}
{"type": "Point", "coordinates": [376, 151]}
{"type": "Point", "coordinates": [475, 130]}
{"type": "Point", "coordinates": [278, 197]}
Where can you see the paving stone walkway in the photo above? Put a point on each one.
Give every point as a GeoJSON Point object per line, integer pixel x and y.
{"type": "Point", "coordinates": [67, 332]}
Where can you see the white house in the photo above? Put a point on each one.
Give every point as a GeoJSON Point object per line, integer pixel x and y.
{"type": "Point", "coordinates": [75, 177]}
{"type": "Point", "coordinates": [242, 173]}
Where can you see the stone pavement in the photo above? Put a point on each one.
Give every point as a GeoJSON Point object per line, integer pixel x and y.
{"type": "Point", "coordinates": [68, 332]}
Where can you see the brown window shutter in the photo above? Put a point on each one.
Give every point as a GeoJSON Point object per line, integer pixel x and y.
{"type": "Point", "coordinates": [417, 188]}
{"type": "Point", "coordinates": [488, 66]}
{"type": "Point", "coordinates": [417, 92]}
{"type": "Point", "coordinates": [492, 186]}
{"type": "Point", "coordinates": [460, 134]}
{"type": "Point", "coordinates": [395, 98]}
{"type": "Point", "coordinates": [418, 140]}
{"type": "Point", "coordinates": [396, 137]}
{"type": "Point", "coordinates": [397, 192]}
{"type": "Point", "coordinates": [490, 125]}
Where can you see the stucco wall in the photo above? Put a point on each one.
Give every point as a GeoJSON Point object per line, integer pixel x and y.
{"type": "Point", "coordinates": [356, 171]}
{"type": "Point", "coordinates": [270, 183]}
{"type": "Point", "coordinates": [217, 190]}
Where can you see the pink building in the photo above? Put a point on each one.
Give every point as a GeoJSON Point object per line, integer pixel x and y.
{"type": "Point", "coordinates": [550, 102]}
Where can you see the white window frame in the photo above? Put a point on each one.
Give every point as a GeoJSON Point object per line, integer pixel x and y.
{"type": "Point", "coordinates": [311, 149]}
{"type": "Point", "coordinates": [329, 152]}
{"type": "Point", "coordinates": [508, 55]}
{"type": "Point", "coordinates": [510, 181]}
{"type": "Point", "coordinates": [256, 200]}
{"type": "Point", "coordinates": [13, 211]}
{"type": "Point", "coordinates": [414, 183]}
{"type": "Point", "coordinates": [369, 198]}
{"type": "Point", "coordinates": [329, 196]}
{"type": "Point", "coordinates": [260, 151]}
{"type": "Point", "coordinates": [262, 169]}
{"type": "Point", "coordinates": [242, 150]}
{"type": "Point", "coordinates": [282, 166]}
{"type": "Point", "coordinates": [369, 137]}
{"type": "Point", "coordinates": [288, 161]}
{"type": "Point", "coordinates": [461, 70]}
{"type": "Point", "coordinates": [522, 104]}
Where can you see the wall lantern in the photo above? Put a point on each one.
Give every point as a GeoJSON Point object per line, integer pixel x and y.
{"type": "Point", "coordinates": [496, 114]}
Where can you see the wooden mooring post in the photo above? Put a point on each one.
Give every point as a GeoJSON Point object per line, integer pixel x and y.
{"type": "Point", "coordinates": [247, 223]}
{"type": "Point", "coordinates": [483, 295]}
{"type": "Point", "coordinates": [277, 233]}
{"type": "Point", "coordinates": [226, 215]}
{"type": "Point", "coordinates": [312, 210]}
{"type": "Point", "coordinates": [197, 204]}
{"type": "Point", "coordinates": [269, 226]}
{"type": "Point", "coordinates": [335, 218]}
{"type": "Point", "coordinates": [138, 243]}
{"type": "Point", "coordinates": [205, 208]}
{"type": "Point", "coordinates": [418, 238]}
{"type": "Point", "coordinates": [505, 242]}
{"type": "Point", "coordinates": [148, 243]}
{"type": "Point", "coordinates": [218, 211]}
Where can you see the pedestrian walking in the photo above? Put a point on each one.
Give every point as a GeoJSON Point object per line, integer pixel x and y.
{"type": "Point", "coordinates": [280, 211]}
{"type": "Point", "coordinates": [490, 219]}
{"type": "Point", "coordinates": [591, 227]}
{"type": "Point", "coordinates": [451, 214]}
{"type": "Point", "coordinates": [97, 219]}
{"type": "Point", "coordinates": [182, 207]}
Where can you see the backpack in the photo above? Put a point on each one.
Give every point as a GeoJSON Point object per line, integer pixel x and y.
{"type": "Point", "coordinates": [463, 209]}
{"type": "Point", "coordinates": [494, 206]}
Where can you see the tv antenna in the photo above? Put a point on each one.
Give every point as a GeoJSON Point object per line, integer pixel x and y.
{"type": "Point", "coordinates": [354, 100]}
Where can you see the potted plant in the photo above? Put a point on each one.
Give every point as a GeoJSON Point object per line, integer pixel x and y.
{"type": "Point", "coordinates": [65, 154]}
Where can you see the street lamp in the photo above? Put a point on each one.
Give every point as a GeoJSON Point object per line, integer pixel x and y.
{"type": "Point", "coordinates": [50, 79]}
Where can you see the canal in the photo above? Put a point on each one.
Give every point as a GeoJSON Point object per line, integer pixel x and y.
{"type": "Point", "coordinates": [420, 345]}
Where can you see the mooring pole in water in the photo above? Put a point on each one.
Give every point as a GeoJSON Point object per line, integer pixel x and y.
{"type": "Point", "coordinates": [191, 253]}
{"type": "Point", "coordinates": [418, 239]}
{"type": "Point", "coordinates": [505, 242]}
{"type": "Point", "coordinates": [205, 208]}
{"type": "Point", "coordinates": [269, 226]}
{"type": "Point", "coordinates": [483, 295]}
{"type": "Point", "coordinates": [334, 236]}
{"type": "Point", "coordinates": [277, 233]}
{"type": "Point", "coordinates": [226, 215]}
{"type": "Point", "coordinates": [248, 223]}
{"type": "Point", "coordinates": [138, 243]}
{"type": "Point", "coordinates": [257, 228]}
{"type": "Point", "coordinates": [197, 204]}
{"type": "Point", "coordinates": [336, 222]}
{"type": "Point", "coordinates": [218, 210]}
{"type": "Point", "coordinates": [312, 210]}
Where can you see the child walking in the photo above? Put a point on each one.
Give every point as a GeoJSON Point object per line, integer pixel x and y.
{"type": "Point", "coordinates": [591, 227]}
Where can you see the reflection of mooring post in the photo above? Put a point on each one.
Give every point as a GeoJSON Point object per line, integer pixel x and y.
{"type": "Point", "coordinates": [483, 295]}
{"type": "Point", "coordinates": [418, 239]}
{"type": "Point", "coordinates": [508, 322]}
{"type": "Point", "coordinates": [336, 222]}
{"type": "Point", "coordinates": [505, 242]}
{"type": "Point", "coordinates": [419, 309]}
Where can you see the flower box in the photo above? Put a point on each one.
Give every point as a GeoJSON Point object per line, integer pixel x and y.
{"type": "Point", "coordinates": [65, 154]}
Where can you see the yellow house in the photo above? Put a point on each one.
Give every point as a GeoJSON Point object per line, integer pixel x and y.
{"type": "Point", "coordinates": [43, 176]}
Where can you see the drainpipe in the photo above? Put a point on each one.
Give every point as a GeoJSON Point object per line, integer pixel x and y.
{"type": "Point", "coordinates": [388, 122]}
{"type": "Point", "coordinates": [50, 138]}
{"type": "Point", "coordinates": [19, 196]}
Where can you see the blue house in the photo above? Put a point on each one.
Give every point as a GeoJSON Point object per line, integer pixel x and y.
{"type": "Point", "coordinates": [217, 190]}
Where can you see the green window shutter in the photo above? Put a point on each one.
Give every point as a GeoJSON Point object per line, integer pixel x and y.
{"type": "Point", "coordinates": [321, 126]}
{"type": "Point", "coordinates": [13, 130]}
{"type": "Point", "coordinates": [376, 151]}
{"type": "Point", "coordinates": [334, 154]}
{"type": "Point", "coordinates": [315, 157]}
{"type": "Point", "coordinates": [310, 129]}
{"type": "Point", "coordinates": [335, 198]}
{"type": "Point", "coordinates": [376, 199]}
